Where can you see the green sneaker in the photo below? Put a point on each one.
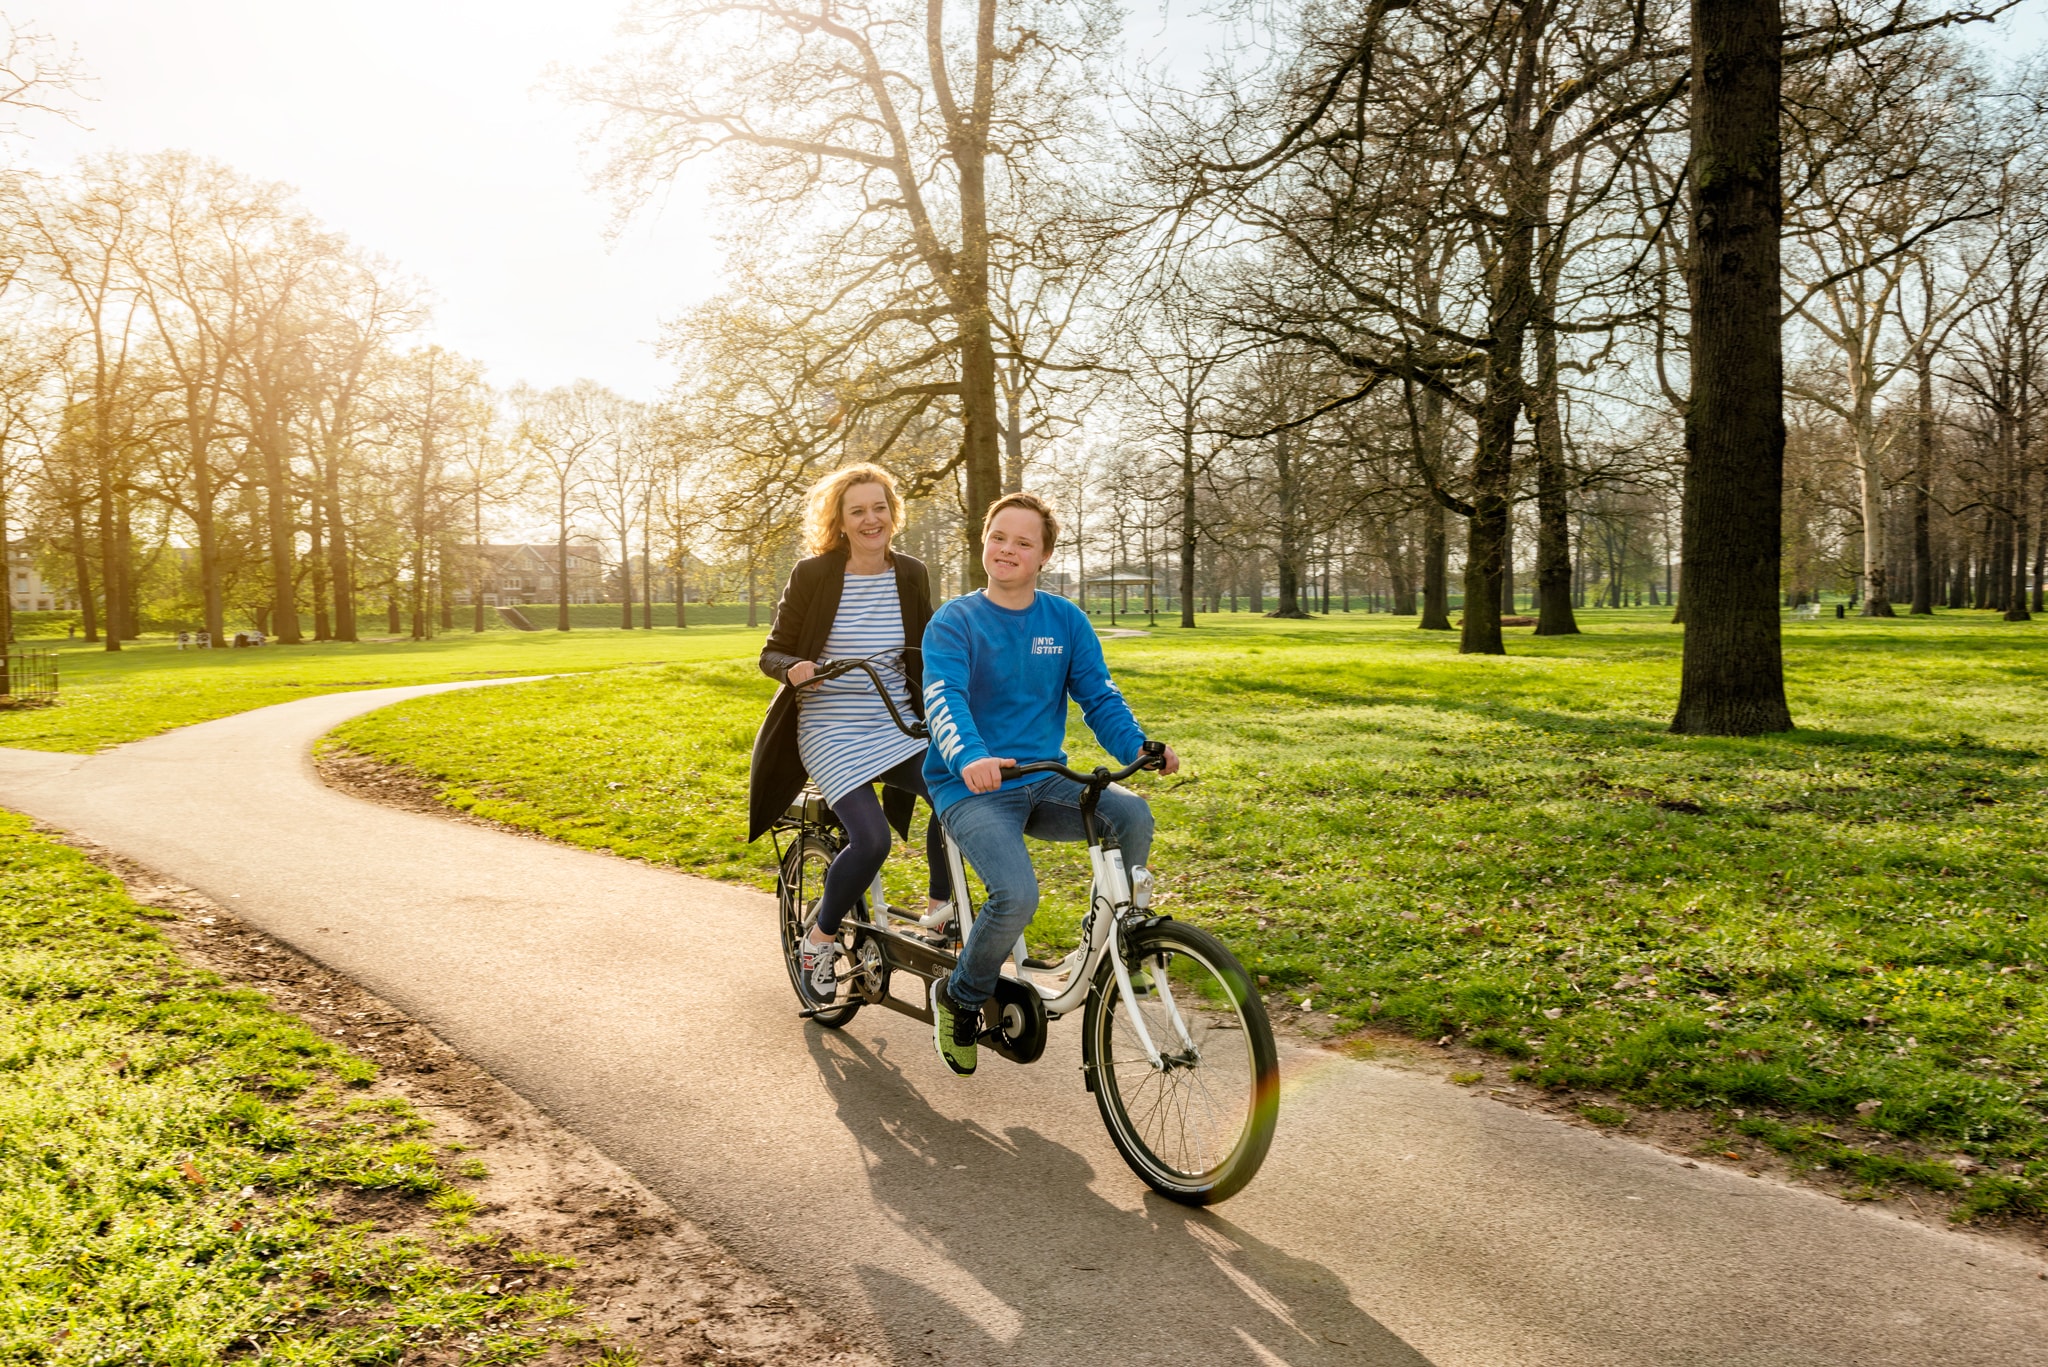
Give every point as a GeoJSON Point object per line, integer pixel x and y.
{"type": "Point", "coordinates": [953, 1031]}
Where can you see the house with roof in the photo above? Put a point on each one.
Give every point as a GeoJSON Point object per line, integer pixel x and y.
{"type": "Point", "coordinates": [26, 586]}
{"type": "Point", "coordinates": [527, 573]}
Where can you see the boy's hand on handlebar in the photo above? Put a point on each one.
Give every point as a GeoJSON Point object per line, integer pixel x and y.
{"type": "Point", "coordinates": [801, 672]}
{"type": "Point", "coordinates": [984, 775]}
{"type": "Point", "coordinates": [1170, 763]}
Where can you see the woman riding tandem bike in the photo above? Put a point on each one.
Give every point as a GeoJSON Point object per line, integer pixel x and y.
{"type": "Point", "coordinates": [1175, 1044]}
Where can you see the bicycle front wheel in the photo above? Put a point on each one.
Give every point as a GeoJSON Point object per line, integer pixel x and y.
{"type": "Point", "coordinates": [1197, 1125]}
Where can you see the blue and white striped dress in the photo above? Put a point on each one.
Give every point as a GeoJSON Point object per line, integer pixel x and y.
{"type": "Point", "coordinates": [843, 732]}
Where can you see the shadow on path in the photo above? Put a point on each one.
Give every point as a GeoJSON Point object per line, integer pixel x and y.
{"type": "Point", "coordinates": [1038, 1251]}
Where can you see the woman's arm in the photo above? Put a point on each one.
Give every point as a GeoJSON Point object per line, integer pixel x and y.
{"type": "Point", "coordinates": [780, 655]}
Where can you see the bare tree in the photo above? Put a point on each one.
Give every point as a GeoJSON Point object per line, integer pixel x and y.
{"type": "Point", "coordinates": [895, 129]}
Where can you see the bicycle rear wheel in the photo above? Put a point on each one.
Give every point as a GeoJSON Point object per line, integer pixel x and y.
{"type": "Point", "coordinates": [1197, 1127]}
{"type": "Point", "coordinates": [798, 885]}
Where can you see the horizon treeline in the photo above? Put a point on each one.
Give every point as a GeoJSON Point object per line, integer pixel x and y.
{"type": "Point", "coordinates": [1390, 303]}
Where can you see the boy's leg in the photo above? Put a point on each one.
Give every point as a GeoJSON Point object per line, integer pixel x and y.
{"type": "Point", "coordinates": [1056, 815]}
{"type": "Point", "coordinates": [989, 829]}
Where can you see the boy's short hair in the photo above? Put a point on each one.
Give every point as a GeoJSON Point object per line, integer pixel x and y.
{"type": "Point", "coordinates": [1036, 505]}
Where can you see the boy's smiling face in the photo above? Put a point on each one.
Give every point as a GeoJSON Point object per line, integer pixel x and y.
{"type": "Point", "coordinates": [1014, 551]}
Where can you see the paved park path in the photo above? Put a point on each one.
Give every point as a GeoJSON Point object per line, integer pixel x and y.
{"type": "Point", "coordinates": [1399, 1222]}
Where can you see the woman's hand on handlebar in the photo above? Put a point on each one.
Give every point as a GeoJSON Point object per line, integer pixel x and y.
{"type": "Point", "coordinates": [800, 673]}
{"type": "Point", "coordinates": [984, 775]}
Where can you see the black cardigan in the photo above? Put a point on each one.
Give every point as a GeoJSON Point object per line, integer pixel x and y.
{"type": "Point", "coordinates": [803, 619]}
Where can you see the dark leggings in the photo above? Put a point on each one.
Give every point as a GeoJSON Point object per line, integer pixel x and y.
{"type": "Point", "coordinates": [867, 844]}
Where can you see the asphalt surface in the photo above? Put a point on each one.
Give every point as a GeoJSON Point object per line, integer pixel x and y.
{"type": "Point", "coordinates": [1399, 1220]}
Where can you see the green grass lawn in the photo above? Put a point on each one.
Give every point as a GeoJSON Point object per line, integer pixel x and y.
{"type": "Point", "coordinates": [173, 1152]}
{"type": "Point", "coordinates": [150, 686]}
{"type": "Point", "coordinates": [1510, 850]}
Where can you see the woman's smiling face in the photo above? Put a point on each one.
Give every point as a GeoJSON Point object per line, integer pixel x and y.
{"type": "Point", "coordinates": [865, 517]}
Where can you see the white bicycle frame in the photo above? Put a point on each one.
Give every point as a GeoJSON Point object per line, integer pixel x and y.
{"type": "Point", "coordinates": [1064, 987]}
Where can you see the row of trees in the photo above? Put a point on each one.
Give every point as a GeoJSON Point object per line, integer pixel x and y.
{"type": "Point", "coordinates": [214, 409]}
{"type": "Point", "coordinates": [1396, 268]}
{"type": "Point", "coordinates": [1417, 295]}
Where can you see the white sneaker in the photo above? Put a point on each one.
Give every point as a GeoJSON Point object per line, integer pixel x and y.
{"type": "Point", "coordinates": [820, 965]}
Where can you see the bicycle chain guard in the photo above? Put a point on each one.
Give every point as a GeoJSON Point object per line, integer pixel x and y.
{"type": "Point", "coordinates": [1014, 1022]}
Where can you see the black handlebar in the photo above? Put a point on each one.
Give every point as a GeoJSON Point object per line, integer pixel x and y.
{"type": "Point", "coordinates": [1152, 756]}
{"type": "Point", "coordinates": [1152, 753]}
{"type": "Point", "coordinates": [913, 727]}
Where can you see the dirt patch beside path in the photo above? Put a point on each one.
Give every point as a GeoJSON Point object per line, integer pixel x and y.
{"type": "Point", "coordinates": [661, 1291]}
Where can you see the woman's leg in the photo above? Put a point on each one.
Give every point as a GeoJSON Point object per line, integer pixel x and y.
{"type": "Point", "coordinates": [854, 867]}
{"type": "Point", "coordinates": [909, 776]}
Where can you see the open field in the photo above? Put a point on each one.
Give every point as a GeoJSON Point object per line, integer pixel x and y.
{"type": "Point", "coordinates": [150, 686]}
{"type": "Point", "coordinates": [188, 1175]}
{"type": "Point", "coordinates": [1835, 932]}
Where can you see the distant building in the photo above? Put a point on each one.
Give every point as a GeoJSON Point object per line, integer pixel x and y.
{"type": "Point", "coordinates": [526, 573]}
{"type": "Point", "coordinates": [26, 586]}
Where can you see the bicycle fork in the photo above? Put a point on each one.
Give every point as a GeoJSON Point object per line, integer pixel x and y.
{"type": "Point", "coordinates": [1113, 879]}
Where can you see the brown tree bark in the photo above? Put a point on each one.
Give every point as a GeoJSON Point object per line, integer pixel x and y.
{"type": "Point", "coordinates": [1923, 475]}
{"type": "Point", "coordinates": [1510, 311]}
{"type": "Point", "coordinates": [1436, 570]}
{"type": "Point", "coordinates": [1287, 485]}
{"type": "Point", "coordinates": [1554, 615]}
{"type": "Point", "coordinates": [110, 560]}
{"type": "Point", "coordinates": [1732, 676]}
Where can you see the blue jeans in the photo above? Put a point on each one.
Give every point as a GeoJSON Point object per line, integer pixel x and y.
{"type": "Point", "coordinates": [990, 829]}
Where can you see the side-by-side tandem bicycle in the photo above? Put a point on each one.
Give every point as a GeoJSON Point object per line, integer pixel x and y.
{"type": "Point", "coordinates": [1175, 1043]}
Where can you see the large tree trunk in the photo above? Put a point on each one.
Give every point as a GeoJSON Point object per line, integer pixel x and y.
{"type": "Point", "coordinates": [1188, 541]}
{"type": "Point", "coordinates": [340, 567]}
{"type": "Point", "coordinates": [110, 562]}
{"type": "Point", "coordinates": [1877, 600]}
{"type": "Point", "coordinates": [1923, 475]}
{"type": "Point", "coordinates": [1732, 677]}
{"type": "Point", "coordinates": [1013, 439]}
{"type": "Point", "coordinates": [284, 598]}
{"type": "Point", "coordinates": [647, 569]}
{"type": "Point", "coordinates": [562, 557]}
{"type": "Point", "coordinates": [131, 588]}
{"type": "Point", "coordinates": [6, 589]}
{"type": "Point", "coordinates": [1553, 510]}
{"type": "Point", "coordinates": [1436, 570]}
{"type": "Point", "coordinates": [1510, 311]}
{"type": "Point", "coordinates": [2041, 554]}
{"type": "Point", "coordinates": [626, 579]}
{"type": "Point", "coordinates": [316, 559]}
{"type": "Point", "coordinates": [982, 438]}
{"type": "Point", "coordinates": [212, 604]}
{"type": "Point", "coordinates": [1290, 549]}
{"type": "Point", "coordinates": [2016, 600]}
{"type": "Point", "coordinates": [81, 566]}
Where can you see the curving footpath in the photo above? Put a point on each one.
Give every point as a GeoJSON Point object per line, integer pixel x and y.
{"type": "Point", "coordinates": [1399, 1222]}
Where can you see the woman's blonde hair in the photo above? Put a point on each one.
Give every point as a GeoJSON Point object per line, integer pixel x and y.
{"type": "Point", "coordinates": [825, 509]}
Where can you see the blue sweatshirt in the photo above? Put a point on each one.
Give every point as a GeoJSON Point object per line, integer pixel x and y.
{"type": "Point", "coordinates": [997, 680]}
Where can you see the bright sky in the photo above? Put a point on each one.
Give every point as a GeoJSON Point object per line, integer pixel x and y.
{"type": "Point", "coordinates": [413, 126]}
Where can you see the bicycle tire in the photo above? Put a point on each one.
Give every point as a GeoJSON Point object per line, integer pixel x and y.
{"type": "Point", "coordinates": [1227, 1089]}
{"type": "Point", "coordinates": [797, 885]}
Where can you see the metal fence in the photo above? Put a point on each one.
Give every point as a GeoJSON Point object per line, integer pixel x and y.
{"type": "Point", "coordinates": [28, 678]}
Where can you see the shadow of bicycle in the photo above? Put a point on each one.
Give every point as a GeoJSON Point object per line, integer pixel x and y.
{"type": "Point", "coordinates": [1050, 1272]}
